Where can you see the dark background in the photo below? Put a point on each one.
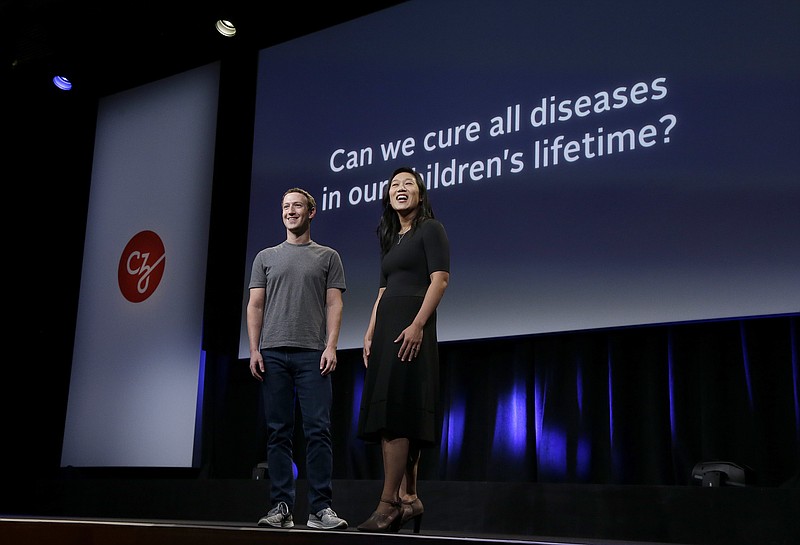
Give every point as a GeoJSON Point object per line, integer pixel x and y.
{"type": "Point", "coordinates": [686, 393]}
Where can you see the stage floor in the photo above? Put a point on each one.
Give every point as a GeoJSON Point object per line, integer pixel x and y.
{"type": "Point", "coordinates": [117, 511]}
{"type": "Point", "coordinates": [69, 531]}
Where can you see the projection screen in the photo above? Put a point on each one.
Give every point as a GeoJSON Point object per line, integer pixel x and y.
{"type": "Point", "coordinates": [595, 164]}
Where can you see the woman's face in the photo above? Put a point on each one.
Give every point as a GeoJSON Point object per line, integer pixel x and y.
{"type": "Point", "coordinates": [404, 192]}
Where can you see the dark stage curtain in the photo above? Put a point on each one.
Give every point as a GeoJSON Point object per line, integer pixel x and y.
{"type": "Point", "coordinates": [639, 405]}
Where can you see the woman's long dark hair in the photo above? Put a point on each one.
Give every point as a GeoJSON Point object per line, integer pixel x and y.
{"type": "Point", "coordinates": [389, 224]}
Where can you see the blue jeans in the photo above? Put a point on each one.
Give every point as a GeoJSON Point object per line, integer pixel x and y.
{"type": "Point", "coordinates": [290, 371]}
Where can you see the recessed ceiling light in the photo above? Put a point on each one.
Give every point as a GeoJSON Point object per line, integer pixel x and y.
{"type": "Point", "coordinates": [226, 28]}
{"type": "Point", "coordinates": [62, 83]}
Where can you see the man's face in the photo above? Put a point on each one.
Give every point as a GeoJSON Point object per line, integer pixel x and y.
{"type": "Point", "coordinates": [296, 216]}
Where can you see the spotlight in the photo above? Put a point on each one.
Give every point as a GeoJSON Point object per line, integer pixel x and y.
{"type": "Point", "coordinates": [62, 83]}
{"type": "Point", "coordinates": [226, 28]}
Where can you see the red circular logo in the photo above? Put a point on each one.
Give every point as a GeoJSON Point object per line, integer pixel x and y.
{"type": "Point", "coordinates": [141, 266]}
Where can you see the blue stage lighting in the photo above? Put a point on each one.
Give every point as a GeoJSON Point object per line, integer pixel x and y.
{"type": "Point", "coordinates": [62, 83]}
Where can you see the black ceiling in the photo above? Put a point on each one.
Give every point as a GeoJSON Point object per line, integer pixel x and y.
{"type": "Point", "coordinates": [109, 46]}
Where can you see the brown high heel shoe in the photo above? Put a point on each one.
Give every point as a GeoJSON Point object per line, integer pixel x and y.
{"type": "Point", "coordinates": [384, 522]}
{"type": "Point", "coordinates": [413, 510]}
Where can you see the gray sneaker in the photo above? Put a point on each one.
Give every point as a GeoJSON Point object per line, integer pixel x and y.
{"type": "Point", "coordinates": [278, 517]}
{"type": "Point", "coordinates": [327, 519]}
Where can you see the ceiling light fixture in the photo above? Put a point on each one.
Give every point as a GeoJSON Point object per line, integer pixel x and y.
{"type": "Point", "coordinates": [62, 83]}
{"type": "Point", "coordinates": [226, 28]}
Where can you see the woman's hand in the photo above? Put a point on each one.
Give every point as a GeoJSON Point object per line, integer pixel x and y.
{"type": "Point", "coordinates": [411, 341]}
{"type": "Point", "coordinates": [367, 350]}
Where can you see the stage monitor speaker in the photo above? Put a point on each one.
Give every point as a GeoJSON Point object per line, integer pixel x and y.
{"type": "Point", "coordinates": [714, 474]}
{"type": "Point", "coordinates": [261, 471]}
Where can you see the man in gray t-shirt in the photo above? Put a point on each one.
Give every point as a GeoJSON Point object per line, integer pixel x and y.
{"type": "Point", "coordinates": [294, 315]}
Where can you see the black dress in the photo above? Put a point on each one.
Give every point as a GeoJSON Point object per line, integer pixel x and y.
{"type": "Point", "coordinates": [401, 398]}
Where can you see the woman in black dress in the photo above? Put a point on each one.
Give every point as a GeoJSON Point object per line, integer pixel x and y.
{"type": "Point", "coordinates": [400, 402]}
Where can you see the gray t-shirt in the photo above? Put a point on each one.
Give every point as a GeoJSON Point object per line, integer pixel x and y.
{"type": "Point", "coordinates": [296, 278]}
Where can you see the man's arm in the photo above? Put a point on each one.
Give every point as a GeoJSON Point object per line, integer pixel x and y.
{"type": "Point", "coordinates": [255, 319]}
{"type": "Point", "coordinates": [334, 304]}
